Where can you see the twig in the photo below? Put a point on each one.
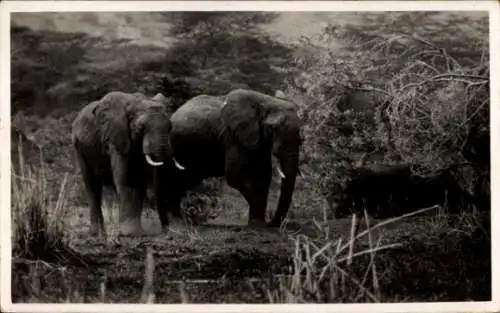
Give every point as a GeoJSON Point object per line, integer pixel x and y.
{"type": "Point", "coordinates": [449, 77]}
{"type": "Point", "coordinates": [391, 246]}
{"type": "Point", "coordinates": [419, 40]}
{"type": "Point", "coordinates": [365, 277]}
{"type": "Point", "coordinates": [351, 242]}
{"type": "Point", "coordinates": [36, 262]}
{"type": "Point", "coordinates": [376, 286]}
{"type": "Point", "coordinates": [357, 283]}
{"type": "Point", "coordinates": [372, 89]}
{"type": "Point", "coordinates": [31, 180]}
{"type": "Point", "coordinates": [389, 221]}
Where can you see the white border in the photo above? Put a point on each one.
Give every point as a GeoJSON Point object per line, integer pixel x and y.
{"type": "Point", "coordinates": [44, 6]}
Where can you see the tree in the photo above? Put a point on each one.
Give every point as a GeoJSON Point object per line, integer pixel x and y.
{"type": "Point", "coordinates": [405, 88]}
{"type": "Point", "coordinates": [226, 46]}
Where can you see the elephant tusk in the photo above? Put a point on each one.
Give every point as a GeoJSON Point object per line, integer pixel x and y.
{"type": "Point", "coordinates": [281, 173]}
{"type": "Point", "coordinates": [151, 162]}
{"type": "Point", "coordinates": [178, 165]}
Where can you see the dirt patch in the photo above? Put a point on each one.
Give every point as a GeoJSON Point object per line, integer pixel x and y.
{"type": "Point", "coordinates": [211, 263]}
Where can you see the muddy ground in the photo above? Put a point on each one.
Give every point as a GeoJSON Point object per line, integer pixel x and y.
{"type": "Point", "coordinates": [222, 261]}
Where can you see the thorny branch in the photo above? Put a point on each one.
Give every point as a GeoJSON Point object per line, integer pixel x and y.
{"type": "Point", "coordinates": [449, 77]}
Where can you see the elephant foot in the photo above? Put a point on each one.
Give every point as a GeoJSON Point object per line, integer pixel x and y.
{"type": "Point", "coordinates": [176, 226]}
{"type": "Point", "coordinates": [97, 232]}
{"type": "Point", "coordinates": [131, 228]}
{"type": "Point", "coordinates": [257, 223]}
{"type": "Point", "coordinates": [274, 223]}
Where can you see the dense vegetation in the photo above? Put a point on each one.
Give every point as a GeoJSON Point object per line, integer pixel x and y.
{"type": "Point", "coordinates": [404, 88]}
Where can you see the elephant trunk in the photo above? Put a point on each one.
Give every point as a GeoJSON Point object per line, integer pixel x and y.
{"type": "Point", "coordinates": [287, 169]}
{"type": "Point", "coordinates": [155, 149]}
{"type": "Point", "coordinates": [157, 157]}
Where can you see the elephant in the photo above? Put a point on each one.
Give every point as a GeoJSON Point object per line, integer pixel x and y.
{"type": "Point", "coordinates": [121, 141]}
{"type": "Point", "coordinates": [235, 136]}
{"type": "Point", "coordinates": [396, 190]}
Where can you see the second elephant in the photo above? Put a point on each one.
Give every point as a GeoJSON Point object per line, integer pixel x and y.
{"type": "Point", "coordinates": [236, 136]}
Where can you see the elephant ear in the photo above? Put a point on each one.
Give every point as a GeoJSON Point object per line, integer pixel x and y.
{"type": "Point", "coordinates": [274, 120]}
{"type": "Point", "coordinates": [241, 116]}
{"type": "Point", "coordinates": [114, 121]}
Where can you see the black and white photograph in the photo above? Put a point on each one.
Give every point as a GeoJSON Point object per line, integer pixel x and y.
{"type": "Point", "coordinates": [272, 153]}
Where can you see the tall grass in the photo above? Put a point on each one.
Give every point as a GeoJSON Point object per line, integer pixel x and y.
{"type": "Point", "coordinates": [370, 266]}
{"type": "Point", "coordinates": [39, 233]}
{"type": "Point", "coordinates": [38, 213]}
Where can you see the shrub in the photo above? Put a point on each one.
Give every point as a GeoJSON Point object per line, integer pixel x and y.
{"type": "Point", "coordinates": [203, 202]}
{"type": "Point", "coordinates": [389, 98]}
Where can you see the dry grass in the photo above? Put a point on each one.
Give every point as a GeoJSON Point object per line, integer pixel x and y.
{"type": "Point", "coordinates": [322, 266]}
{"type": "Point", "coordinates": [38, 216]}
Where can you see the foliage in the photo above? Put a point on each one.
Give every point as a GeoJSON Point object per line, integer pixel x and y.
{"type": "Point", "coordinates": [224, 50]}
{"type": "Point", "coordinates": [390, 96]}
{"type": "Point", "coordinates": [56, 73]}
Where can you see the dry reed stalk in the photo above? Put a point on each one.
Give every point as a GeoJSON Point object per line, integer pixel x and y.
{"type": "Point", "coordinates": [102, 291]}
{"type": "Point", "coordinates": [389, 221]}
{"type": "Point", "coordinates": [357, 283]}
{"type": "Point", "coordinates": [376, 287]}
{"type": "Point", "coordinates": [182, 293]}
{"type": "Point", "coordinates": [351, 241]}
{"type": "Point", "coordinates": [35, 280]}
{"type": "Point", "coordinates": [368, 271]}
{"type": "Point", "coordinates": [148, 295]}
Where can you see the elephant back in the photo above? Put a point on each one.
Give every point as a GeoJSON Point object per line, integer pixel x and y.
{"type": "Point", "coordinates": [202, 110]}
{"type": "Point", "coordinates": [267, 102]}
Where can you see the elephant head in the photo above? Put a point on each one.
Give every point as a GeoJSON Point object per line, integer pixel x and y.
{"type": "Point", "coordinates": [133, 123]}
{"type": "Point", "coordinates": [265, 125]}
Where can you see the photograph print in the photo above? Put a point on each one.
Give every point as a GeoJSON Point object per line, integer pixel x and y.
{"type": "Point", "coordinates": [250, 157]}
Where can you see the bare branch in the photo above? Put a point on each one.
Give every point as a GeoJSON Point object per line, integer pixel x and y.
{"type": "Point", "coordinates": [449, 77]}
{"type": "Point", "coordinates": [372, 89]}
{"type": "Point", "coordinates": [414, 37]}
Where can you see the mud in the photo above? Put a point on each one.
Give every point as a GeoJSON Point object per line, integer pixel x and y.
{"type": "Point", "coordinates": [207, 263]}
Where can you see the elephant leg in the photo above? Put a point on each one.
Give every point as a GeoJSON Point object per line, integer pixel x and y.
{"type": "Point", "coordinates": [161, 197]}
{"type": "Point", "coordinates": [253, 184]}
{"type": "Point", "coordinates": [170, 189]}
{"type": "Point", "coordinates": [129, 195]}
{"type": "Point", "coordinates": [93, 187]}
{"type": "Point", "coordinates": [257, 196]}
{"type": "Point", "coordinates": [166, 204]}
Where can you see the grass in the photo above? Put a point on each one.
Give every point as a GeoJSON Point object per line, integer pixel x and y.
{"type": "Point", "coordinates": [321, 266]}
{"type": "Point", "coordinates": [39, 231]}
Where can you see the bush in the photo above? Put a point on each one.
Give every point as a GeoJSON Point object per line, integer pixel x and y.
{"type": "Point", "coordinates": [203, 202]}
{"type": "Point", "coordinates": [388, 98]}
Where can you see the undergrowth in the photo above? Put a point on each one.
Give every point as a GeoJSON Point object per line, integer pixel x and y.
{"type": "Point", "coordinates": [413, 257]}
{"type": "Point", "coordinates": [39, 232]}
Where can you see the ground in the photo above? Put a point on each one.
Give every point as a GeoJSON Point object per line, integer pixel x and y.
{"type": "Point", "coordinates": [223, 261]}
